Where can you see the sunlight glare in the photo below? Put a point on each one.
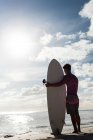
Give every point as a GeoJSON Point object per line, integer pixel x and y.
{"type": "Point", "coordinates": [17, 42]}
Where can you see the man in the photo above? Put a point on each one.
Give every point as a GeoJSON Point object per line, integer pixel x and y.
{"type": "Point", "coordinates": [72, 101]}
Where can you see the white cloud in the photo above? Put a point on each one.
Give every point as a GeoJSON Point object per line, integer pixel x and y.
{"type": "Point", "coordinates": [3, 85]}
{"type": "Point", "coordinates": [33, 66]}
{"type": "Point", "coordinates": [68, 42]}
{"type": "Point", "coordinates": [86, 104]}
{"type": "Point", "coordinates": [60, 53]}
{"type": "Point", "coordinates": [71, 37]}
{"type": "Point", "coordinates": [35, 90]}
{"type": "Point", "coordinates": [34, 97]}
{"type": "Point", "coordinates": [86, 83]}
{"type": "Point", "coordinates": [17, 76]}
{"type": "Point", "coordinates": [46, 39]}
{"type": "Point", "coordinates": [27, 99]}
{"type": "Point", "coordinates": [75, 51]}
{"type": "Point", "coordinates": [83, 70]}
{"type": "Point", "coordinates": [82, 35]}
{"type": "Point", "coordinates": [60, 36]}
{"type": "Point", "coordinates": [87, 12]}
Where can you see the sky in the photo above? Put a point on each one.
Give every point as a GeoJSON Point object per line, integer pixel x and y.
{"type": "Point", "coordinates": [32, 33]}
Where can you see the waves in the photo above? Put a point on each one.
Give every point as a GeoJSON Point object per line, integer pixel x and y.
{"type": "Point", "coordinates": [21, 123]}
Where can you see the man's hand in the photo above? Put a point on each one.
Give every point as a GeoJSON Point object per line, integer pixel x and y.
{"type": "Point", "coordinates": [44, 81]}
{"type": "Point", "coordinates": [48, 84]}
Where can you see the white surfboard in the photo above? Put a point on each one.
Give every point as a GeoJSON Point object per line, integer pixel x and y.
{"type": "Point", "coordinates": [56, 97]}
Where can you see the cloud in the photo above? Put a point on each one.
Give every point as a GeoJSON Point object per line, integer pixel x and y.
{"type": "Point", "coordinates": [3, 85]}
{"type": "Point", "coordinates": [68, 38]}
{"type": "Point", "coordinates": [35, 90]}
{"type": "Point", "coordinates": [60, 36]}
{"type": "Point", "coordinates": [86, 83]}
{"type": "Point", "coordinates": [82, 35]}
{"type": "Point", "coordinates": [73, 48]}
{"type": "Point", "coordinates": [75, 51]}
{"type": "Point", "coordinates": [86, 104]}
{"type": "Point", "coordinates": [34, 97]}
{"type": "Point", "coordinates": [60, 53]}
{"type": "Point", "coordinates": [46, 39]}
{"type": "Point", "coordinates": [83, 70]}
{"type": "Point", "coordinates": [87, 12]}
{"type": "Point", "coordinates": [27, 99]}
{"type": "Point", "coordinates": [86, 94]}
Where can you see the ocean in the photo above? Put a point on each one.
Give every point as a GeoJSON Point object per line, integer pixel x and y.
{"type": "Point", "coordinates": [38, 122]}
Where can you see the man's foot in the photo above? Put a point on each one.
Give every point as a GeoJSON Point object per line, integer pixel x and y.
{"type": "Point", "coordinates": [52, 133]}
{"type": "Point", "coordinates": [75, 131]}
{"type": "Point", "coordinates": [79, 131]}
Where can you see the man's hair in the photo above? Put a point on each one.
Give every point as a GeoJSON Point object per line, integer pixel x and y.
{"type": "Point", "coordinates": [67, 66]}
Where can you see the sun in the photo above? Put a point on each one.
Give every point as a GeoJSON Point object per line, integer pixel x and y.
{"type": "Point", "coordinates": [17, 42]}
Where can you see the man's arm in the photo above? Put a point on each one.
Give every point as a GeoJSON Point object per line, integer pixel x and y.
{"type": "Point", "coordinates": [56, 84]}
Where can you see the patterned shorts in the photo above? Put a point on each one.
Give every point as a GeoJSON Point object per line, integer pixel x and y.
{"type": "Point", "coordinates": [72, 105]}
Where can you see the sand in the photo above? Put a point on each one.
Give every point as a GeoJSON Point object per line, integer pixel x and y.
{"type": "Point", "coordinates": [86, 135]}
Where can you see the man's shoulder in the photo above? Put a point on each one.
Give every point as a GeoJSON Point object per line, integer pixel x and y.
{"type": "Point", "coordinates": [74, 76]}
{"type": "Point", "coordinates": [71, 76]}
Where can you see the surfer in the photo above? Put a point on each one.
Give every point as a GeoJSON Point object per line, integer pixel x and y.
{"type": "Point", "coordinates": [72, 100]}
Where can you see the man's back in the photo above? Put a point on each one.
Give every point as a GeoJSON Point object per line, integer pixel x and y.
{"type": "Point", "coordinates": [72, 84]}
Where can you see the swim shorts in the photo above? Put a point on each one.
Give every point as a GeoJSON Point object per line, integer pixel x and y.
{"type": "Point", "coordinates": [72, 104]}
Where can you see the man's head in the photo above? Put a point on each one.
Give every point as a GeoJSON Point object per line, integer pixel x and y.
{"type": "Point", "coordinates": [67, 68]}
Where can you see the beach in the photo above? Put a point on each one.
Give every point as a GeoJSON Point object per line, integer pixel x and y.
{"type": "Point", "coordinates": [36, 126]}
{"type": "Point", "coordinates": [87, 135]}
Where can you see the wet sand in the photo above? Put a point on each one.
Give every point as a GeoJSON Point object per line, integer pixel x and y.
{"type": "Point", "coordinates": [86, 135]}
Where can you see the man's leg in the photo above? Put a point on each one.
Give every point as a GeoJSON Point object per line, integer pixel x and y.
{"type": "Point", "coordinates": [71, 111]}
{"type": "Point", "coordinates": [78, 120]}
{"type": "Point", "coordinates": [73, 119]}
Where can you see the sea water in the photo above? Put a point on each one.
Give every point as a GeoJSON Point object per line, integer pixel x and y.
{"type": "Point", "coordinates": [38, 122]}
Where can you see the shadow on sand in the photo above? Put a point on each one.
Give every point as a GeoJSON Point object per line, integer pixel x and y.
{"type": "Point", "coordinates": [85, 136]}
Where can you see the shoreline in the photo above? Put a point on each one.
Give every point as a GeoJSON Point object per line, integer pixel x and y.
{"type": "Point", "coordinates": [86, 135]}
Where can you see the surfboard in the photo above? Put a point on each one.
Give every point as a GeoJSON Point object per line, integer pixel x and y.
{"type": "Point", "coordinates": [56, 97]}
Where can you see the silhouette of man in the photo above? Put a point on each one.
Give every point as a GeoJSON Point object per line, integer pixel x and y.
{"type": "Point", "coordinates": [72, 100]}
